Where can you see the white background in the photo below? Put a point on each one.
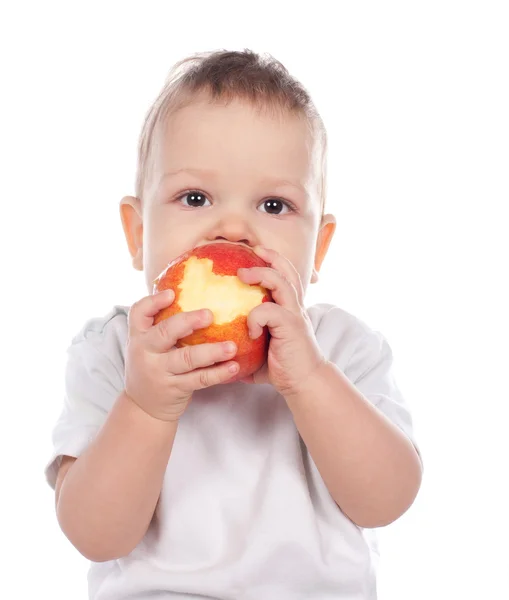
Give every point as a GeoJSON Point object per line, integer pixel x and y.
{"type": "Point", "coordinates": [415, 98]}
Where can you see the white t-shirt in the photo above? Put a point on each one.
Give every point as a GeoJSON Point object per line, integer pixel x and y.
{"type": "Point", "coordinates": [243, 512]}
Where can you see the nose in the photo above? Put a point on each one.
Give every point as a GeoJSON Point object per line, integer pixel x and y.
{"type": "Point", "coordinates": [233, 228]}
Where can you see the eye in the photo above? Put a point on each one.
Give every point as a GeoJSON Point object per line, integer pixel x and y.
{"type": "Point", "coordinates": [274, 206]}
{"type": "Point", "coordinates": [193, 199]}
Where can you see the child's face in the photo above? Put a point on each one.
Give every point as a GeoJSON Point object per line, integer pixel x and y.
{"type": "Point", "coordinates": [229, 173]}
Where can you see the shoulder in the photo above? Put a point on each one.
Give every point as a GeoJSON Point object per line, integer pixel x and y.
{"type": "Point", "coordinates": [323, 313]}
{"type": "Point", "coordinates": [341, 334]}
{"type": "Point", "coordinates": [100, 343]}
{"type": "Point", "coordinates": [94, 376]}
{"type": "Point", "coordinates": [107, 331]}
{"type": "Point", "coordinates": [365, 357]}
{"type": "Point", "coordinates": [112, 324]}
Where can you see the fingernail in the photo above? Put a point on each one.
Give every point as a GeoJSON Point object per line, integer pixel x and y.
{"type": "Point", "coordinates": [229, 347]}
{"type": "Point", "coordinates": [233, 368]}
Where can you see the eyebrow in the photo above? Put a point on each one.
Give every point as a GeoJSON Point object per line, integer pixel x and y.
{"type": "Point", "coordinates": [272, 181]}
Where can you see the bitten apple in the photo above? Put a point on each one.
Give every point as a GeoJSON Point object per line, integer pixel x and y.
{"type": "Point", "coordinates": [206, 277]}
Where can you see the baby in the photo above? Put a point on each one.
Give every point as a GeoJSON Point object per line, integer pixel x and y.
{"type": "Point", "coordinates": [176, 482]}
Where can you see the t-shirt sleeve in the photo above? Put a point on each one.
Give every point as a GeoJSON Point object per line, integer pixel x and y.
{"type": "Point", "coordinates": [93, 381]}
{"type": "Point", "coordinates": [365, 357]}
{"type": "Point", "coordinates": [371, 369]}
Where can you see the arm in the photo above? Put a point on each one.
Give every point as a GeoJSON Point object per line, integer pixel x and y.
{"type": "Point", "coordinates": [369, 466]}
{"type": "Point", "coordinates": [106, 498]}
{"type": "Point", "coordinates": [108, 495]}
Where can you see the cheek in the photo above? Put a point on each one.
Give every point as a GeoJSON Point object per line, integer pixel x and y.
{"type": "Point", "coordinates": [306, 261]}
{"type": "Point", "coordinates": [306, 269]}
{"type": "Point", "coordinates": [158, 242]}
{"type": "Point", "coordinates": [301, 255]}
{"type": "Point", "coordinates": [155, 237]}
{"type": "Point", "coordinates": [165, 238]}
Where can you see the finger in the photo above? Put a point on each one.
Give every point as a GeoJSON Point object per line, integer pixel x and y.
{"type": "Point", "coordinates": [207, 377]}
{"type": "Point", "coordinates": [163, 336]}
{"type": "Point", "coordinates": [190, 358]}
{"type": "Point", "coordinates": [280, 321]}
{"type": "Point", "coordinates": [141, 314]}
{"type": "Point", "coordinates": [283, 265]}
{"type": "Point", "coordinates": [283, 291]}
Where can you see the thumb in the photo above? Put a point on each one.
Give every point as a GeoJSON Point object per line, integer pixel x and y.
{"type": "Point", "coordinates": [260, 376]}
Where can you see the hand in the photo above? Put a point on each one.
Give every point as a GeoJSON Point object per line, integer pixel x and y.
{"type": "Point", "coordinates": [161, 378]}
{"type": "Point", "coordinates": [293, 350]}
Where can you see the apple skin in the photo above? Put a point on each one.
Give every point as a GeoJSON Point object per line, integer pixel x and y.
{"type": "Point", "coordinates": [226, 259]}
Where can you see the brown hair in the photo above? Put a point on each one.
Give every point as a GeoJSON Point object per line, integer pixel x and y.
{"type": "Point", "coordinates": [228, 75]}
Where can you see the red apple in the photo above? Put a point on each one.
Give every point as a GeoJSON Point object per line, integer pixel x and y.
{"type": "Point", "coordinates": [206, 277]}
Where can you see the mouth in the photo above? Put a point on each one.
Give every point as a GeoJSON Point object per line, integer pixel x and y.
{"type": "Point", "coordinates": [224, 242]}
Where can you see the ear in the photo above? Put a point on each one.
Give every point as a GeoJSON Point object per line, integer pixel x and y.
{"type": "Point", "coordinates": [327, 229]}
{"type": "Point", "coordinates": [132, 223]}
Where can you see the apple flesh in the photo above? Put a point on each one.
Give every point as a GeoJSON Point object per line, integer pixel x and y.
{"type": "Point", "coordinates": [206, 277]}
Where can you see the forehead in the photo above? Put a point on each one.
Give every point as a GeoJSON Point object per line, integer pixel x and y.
{"type": "Point", "coordinates": [239, 139]}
